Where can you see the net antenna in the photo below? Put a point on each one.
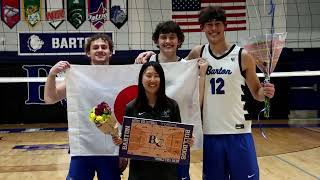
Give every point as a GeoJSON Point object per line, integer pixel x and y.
{"type": "Point", "coordinates": [257, 14]}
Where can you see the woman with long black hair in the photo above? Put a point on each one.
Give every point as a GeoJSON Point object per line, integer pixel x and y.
{"type": "Point", "coordinates": [153, 103]}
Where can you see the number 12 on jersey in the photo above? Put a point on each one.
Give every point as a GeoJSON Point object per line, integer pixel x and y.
{"type": "Point", "coordinates": [217, 86]}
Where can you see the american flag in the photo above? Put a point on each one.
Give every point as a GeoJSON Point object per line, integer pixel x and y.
{"type": "Point", "coordinates": [186, 13]}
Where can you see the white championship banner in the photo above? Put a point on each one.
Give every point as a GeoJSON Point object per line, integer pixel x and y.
{"type": "Point", "coordinates": [89, 85]}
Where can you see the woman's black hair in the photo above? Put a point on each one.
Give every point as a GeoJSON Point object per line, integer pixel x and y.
{"type": "Point", "coordinates": [161, 94]}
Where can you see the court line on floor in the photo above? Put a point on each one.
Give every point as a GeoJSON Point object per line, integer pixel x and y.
{"type": "Point", "coordinates": [313, 130]}
{"type": "Point", "coordinates": [292, 164]}
{"type": "Point", "coordinates": [301, 169]}
{"type": "Point", "coordinates": [286, 125]}
{"type": "Point", "coordinates": [33, 168]}
{"type": "Point", "coordinates": [275, 154]}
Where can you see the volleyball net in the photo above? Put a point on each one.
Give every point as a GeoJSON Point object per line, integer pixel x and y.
{"type": "Point", "coordinates": [245, 18]}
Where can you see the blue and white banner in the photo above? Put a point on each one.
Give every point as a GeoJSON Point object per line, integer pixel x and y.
{"type": "Point", "coordinates": [89, 85]}
{"type": "Point", "coordinates": [71, 43]}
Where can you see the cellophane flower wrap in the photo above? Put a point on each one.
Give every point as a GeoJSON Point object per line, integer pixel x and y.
{"type": "Point", "coordinates": [266, 50]}
{"type": "Point", "coordinates": [102, 116]}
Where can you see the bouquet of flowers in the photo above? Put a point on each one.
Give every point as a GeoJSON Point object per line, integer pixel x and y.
{"type": "Point", "coordinates": [266, 50]}
{"type": "Point", "coordinates": [101, 115]}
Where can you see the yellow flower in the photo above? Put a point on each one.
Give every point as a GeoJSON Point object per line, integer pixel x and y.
{"type": "Point", "coordinates": [92, 116]}
{"type": "Point", "coordinates": [99, 119]}
{"type": "Point", "coordinates": [100, 114]}
{"type": "Point", "coordinates": [105, 117]}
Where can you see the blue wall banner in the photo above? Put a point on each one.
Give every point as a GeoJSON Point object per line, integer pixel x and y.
{"type": "Point", "coordinates": [71, 43]}
{"type": "Point", "coordinates": [118, 12]}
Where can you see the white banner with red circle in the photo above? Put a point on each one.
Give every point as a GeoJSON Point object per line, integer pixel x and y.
{"type": "Point", "coordinates": [89, 85]}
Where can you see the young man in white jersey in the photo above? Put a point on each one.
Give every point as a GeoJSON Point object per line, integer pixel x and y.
{"type": "Point", "coordinates": [228, 150]}
{"type": "Point", "coordinates": [99, 49]}
{"type": "Point", "coordinates": [168, 37]}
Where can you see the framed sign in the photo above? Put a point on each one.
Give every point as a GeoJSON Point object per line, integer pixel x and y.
{"type": "Point", "coordinates": [154, 140]}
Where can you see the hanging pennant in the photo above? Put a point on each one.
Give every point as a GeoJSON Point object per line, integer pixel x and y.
{"type": "Point", "coordinates": [76, 10]}
{"type": "Point", "coordinates": [10, 12]}
{"type": "Point", "coordinates": [118, 12]}
{"type": "Point", "coordinates": [97, 12]}
{"type": "Point", "coordinates": [55, 12]}
{"type": "Point", "coordinates": [32, 11]}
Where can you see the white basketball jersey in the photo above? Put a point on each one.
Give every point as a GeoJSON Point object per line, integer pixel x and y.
{"type": "Point", "coordinates": [223, 109]}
